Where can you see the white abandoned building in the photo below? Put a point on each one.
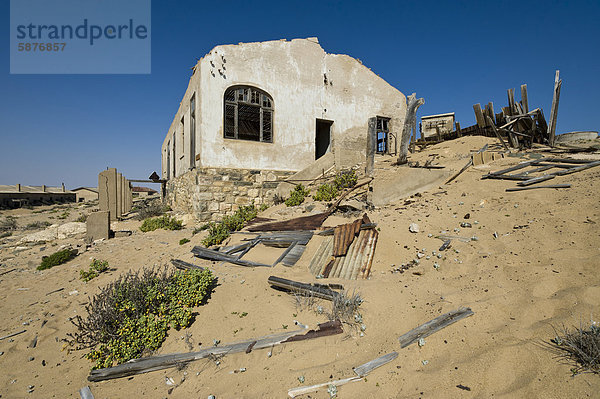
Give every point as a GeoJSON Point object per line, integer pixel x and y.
{"type": "Point", "coordinates": [254, 114]}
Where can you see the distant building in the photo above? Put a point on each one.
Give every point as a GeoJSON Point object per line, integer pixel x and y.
{"type": "Point", "coordinates": [441, 124]}
{"type": "Point", "coordinates": [142, 191]}
{"type": "Point", "coordinates": [85, 194]}
{"type": "Point", "coordinates": [16, 196]}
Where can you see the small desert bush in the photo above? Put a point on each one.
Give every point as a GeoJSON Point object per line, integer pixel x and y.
{"type": "Point", "coordinates": [154, 208]}
{"type": "Point", "coordinates": [81, 219]}
{"type": "Point", "coordinates": [326, 192]}
{"type": "Point", "coordinates": [37, 225]}
{"type": "Point", "coordinates": [9, 223]}
{"type": "Point", "coordinates": [345, 179]}
{"type": "Point", "coordinates": [64, 215]}
{"type": "Point", "coordinates": [297, 196]}
{"type": "Point", "coordinates": [131, 316]}
{"type": "Point", "coordinates": [162, 222]}
{"type": "Point", "coordinates": [184, 241]}
{"type": "Point", "coordinates": [96, 267]}
{"type": "Point", "coordinates": [57, 258]}
{"type": "Point", "coordinates": [218, 232]}
{"type": "Point", "coordinates": [579, 347]}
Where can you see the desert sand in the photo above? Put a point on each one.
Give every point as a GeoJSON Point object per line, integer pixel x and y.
{"type": "Point", "coordinates": [538, 271]}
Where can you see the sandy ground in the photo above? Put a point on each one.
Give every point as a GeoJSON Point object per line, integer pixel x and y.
{"type": "Point", "coordinates": [540, 271]}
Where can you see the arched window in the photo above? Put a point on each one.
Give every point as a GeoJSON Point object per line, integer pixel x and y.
{"type": "Point", "coordinates": [248, 114]}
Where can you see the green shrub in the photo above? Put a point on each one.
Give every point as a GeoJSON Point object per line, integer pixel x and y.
{"type": "Point", "coordinates": [326, 192]}
{"type": "Point", "coordinates": [163, 222]}
{"type": "Point", "coordinates": [264, 207]}
{"type": "Point", "coordinates": [200, 229]}
{"type": "Point", "coordinates": [297, 196]}
{"type": "Point", "coordinates": [154, 208]}
{"type": "Point", "coordinates": [184, 241]}
{"type": "Point", "coordinates": [96, 267]}
{"type": "Point", "coordinates": [37, 225]}
{"type": "Point", "coordinates": [9, 223]}
{"type": "Point", "coordinates": [131, 316]}
{"type": "Point", "coordinates": [345, 179]}
{"type": "Point", "coordinates": [64, 215]}
{"type": "Point", "coordinates": [81, 219]}
{"type": "Point", "coordinates": [218, 232]}
{"type": "Point", "coordinates": [57, 258]}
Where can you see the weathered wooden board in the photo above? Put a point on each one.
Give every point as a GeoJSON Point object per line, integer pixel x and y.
{"type": "Point", "coordinates": [433, 326]}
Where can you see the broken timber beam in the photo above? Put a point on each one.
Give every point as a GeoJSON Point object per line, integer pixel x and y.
{"type": "Point", "coordinates": [497, 134]}
{"type": "Point", "coordinates": [303, 288]}
{"type": "Point", "coordinates": [466, 166]}
{"type": "Point", "coordinates": [145, 365]}
{"type": "Point", "coordinates": [178, 263]}
{"type": "Point", "coordinates": [534, 187]}
{"type": "Point", "coordinates": [205, 253]}
{"type": "Point", "coordinates": [433, 326]}
{"type": "Point", "coordinates": [554, 109]}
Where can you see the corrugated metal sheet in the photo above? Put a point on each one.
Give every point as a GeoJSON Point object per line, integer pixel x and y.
{"type": "Point", "coordinates": [358, 255]}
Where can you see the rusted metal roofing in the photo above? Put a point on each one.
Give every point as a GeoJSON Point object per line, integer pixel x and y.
{"type": "Point", "coordinates": [358, 257]}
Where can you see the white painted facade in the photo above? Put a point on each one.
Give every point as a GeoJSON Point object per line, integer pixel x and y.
{"type": "Point", "coordinates": [305, 84]}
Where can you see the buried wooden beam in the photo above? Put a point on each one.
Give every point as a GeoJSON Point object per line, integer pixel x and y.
{"type": "Point", "coordinates": [433, 326]}
{"type": "Point", "coordinates": [482, 149]}
{"type": "Point", "coordinates": [178, 263]}
{"type": "Point", "coordinates": [534, 187]}
{"type": "Point", "coordinates": [210, 254]}
{"type": "Point", "coordinates": [303, 288]}
{"type": "Point", "coordinates": [153, 363]}
{"type": "Point", "coordinates": [361, 371]}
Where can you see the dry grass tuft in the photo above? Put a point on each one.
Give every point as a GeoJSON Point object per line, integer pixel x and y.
{"type": "Point", "coordinates": [579, 347]}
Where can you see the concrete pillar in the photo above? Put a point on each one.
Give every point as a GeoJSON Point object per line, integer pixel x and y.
{"type": "Point", "coordinates": [18, 187]}
{"type": "Point", "coordinates": [129, 197]}
{"type": "Point", "coordinates": [107, 192]}
{"type": "Point", "coordinates": [118, 198]}
{"type": "Point", "coordinates": [43, 188]}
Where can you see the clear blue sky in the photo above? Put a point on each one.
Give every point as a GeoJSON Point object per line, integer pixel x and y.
{"type": "Point", "coordinates": [67, 128]}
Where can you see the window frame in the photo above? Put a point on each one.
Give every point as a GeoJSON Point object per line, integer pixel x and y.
{"type": "Point", "coordinates": [247, 96]}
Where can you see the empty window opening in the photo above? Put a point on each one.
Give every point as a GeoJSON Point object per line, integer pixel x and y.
{"type": "Point", "coordinates": [193, 132]}
{"type": "Point", "coordinates": [322, 137]}
{"type": "Point", "coordinates": [248, 114]}
{"type": "Point", "coordinates": [382, 135]}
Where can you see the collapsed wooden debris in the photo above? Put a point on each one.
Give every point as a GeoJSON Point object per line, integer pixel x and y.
{"type": "Point", "coordinates": [178, 263]}
{"type": "Point", "coordinates": [361, 371]}
{"type": "Point", "coordinates": [433, 326]}
{"type": "Point", "coordinates": [526, 178]}
{"type": "Point", "coordinates": [534, 187]}
{"type": "Point", "coordinates": [294, 242]}
{"type": "Point", "coordinates": [154, 363]}
{"type": "Point", "coordinates": [86, 393]}
{"type": "Point", "coordinates": [454, 176]}
{"type": "Point", "coordinates": [315, 290]}
{"type": "Point", "coordinates": [349, 253]}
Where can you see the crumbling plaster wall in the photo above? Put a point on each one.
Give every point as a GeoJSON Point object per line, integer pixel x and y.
{"type": "Point", "coordinates": [305, 83]}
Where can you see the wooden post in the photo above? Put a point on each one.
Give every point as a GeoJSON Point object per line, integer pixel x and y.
{"type": "Point", "coordinates": [524, 100]}
{"type": "Point", "coordinates": [458, 133]}
{"type": "Point", "coordinates": [554, 110]}
{"type": "Point", "coordinates": [371, 145]}
{"type": "Point", "coordinates": [479, 115]}
{"type": "Point", "coordinates": [492, 113]}
{"type": "Point", "coordinates": [511, 101]}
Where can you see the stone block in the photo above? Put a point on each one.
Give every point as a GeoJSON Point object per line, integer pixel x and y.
{"type": "Point", "coordinates": [253, 193]}
{"type": "Point", "coordinates": [242, 201]}
{"type": "Point", "coordinates": [213, 206]}
{"type": "Point", "coordinates": [205, 196]}
{"type": "Point", "coordinates": [224, 206]}
{"type": "Point", "coordinates": [97, 225]}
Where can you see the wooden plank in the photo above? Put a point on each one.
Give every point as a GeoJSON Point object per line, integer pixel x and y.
{"type": "Point", "coordinates": [492, 114]}
{"type": "Point", "coordinates": [303, 288]}
{"type": "Point", "coordinates": [178, 263]}
{"type": "Point", "coordinates": [571, 160]}
{"type": "Point", "coordinates": [536, 180]}
{"type": "Point", "coordinates": [466, 166]}
{"type": "Point", "coordinates": [210, 254]}
{"type": "Point", "coordinates": [511, 101]}
{"type": "Point", "coordinates": [534, 187]}
{"type": "Point", "coordinates": [148, 364]}
{"type": "Point", "coordinates": [365, 369]}
{"type": "Point", "coordinates": [12, 334]}
{"type": "Point", "coordinates": [479, 115]}
{"type": "Point", "coordinates": [433, 326]}
{"type": "Point", "coordinates": [86, 393]}
{"type": "Point", "coordinates": [520, 166]}
{"type": "Point", "coordinates": [458, 132]}
{"type": "Point", "coordinates": [578, 168]}
{"type": "Point", "coordinates": [524, 99]}
{"type": "Point", "coordinates": [554, 110]}
{"type": "Point", "coordinates": [498, 135]}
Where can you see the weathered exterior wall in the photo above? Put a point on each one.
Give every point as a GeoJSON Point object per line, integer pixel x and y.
{"type": "Point", "coordinates": [305, 83]}
{"type": "Point", "coordinates": [431, 124]}
{"type": "Point", "coordinates": [85, 194]}
{"type": "Point", "coordinates": [211, 193]}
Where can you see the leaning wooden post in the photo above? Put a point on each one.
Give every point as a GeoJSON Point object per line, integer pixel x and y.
{"type": "Point", "coordinates": [411, 121]}
{"type": "Point", "coordinates": [371, 144]}
{"type": "Point", "coordinates": [554, 110]}
{"type": "Point", "coordinates": [524, 100]}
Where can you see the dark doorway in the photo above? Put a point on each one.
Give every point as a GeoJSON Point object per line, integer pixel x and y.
{"type": "Point", "coordinates": [322, 137]}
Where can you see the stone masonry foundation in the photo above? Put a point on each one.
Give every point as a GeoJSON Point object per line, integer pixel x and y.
{"type": "Point", "coordinates": [211, 193]}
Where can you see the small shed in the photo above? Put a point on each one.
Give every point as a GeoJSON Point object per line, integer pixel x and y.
{"type": "Point", "coordinates": [85, 194]}
{"type": "Point", "coordinates": [434, 125]}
